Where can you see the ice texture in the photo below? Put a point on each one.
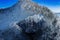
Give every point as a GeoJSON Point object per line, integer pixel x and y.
{"type": "Point", "coordinates": [29, 21]}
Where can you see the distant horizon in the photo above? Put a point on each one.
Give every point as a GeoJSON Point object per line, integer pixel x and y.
{"type": "Point", "coordinates": [53, 5]}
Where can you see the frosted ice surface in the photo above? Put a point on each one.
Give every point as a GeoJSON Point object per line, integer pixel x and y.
{"type": "Point", "coordinates": [35, 18]}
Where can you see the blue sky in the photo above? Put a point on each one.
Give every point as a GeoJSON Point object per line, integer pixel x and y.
{"type": "Point", "coordinates": [53, 5]}
{"type": "Point", "coordinates": [7, 3]}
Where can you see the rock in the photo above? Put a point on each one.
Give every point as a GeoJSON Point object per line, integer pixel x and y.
{"type": "Point", "coordinates": [34, 27]}
{"type": "Point", "coordinates": [37, 28]}
{"type": "Point", "coordinates": [43, 25]}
